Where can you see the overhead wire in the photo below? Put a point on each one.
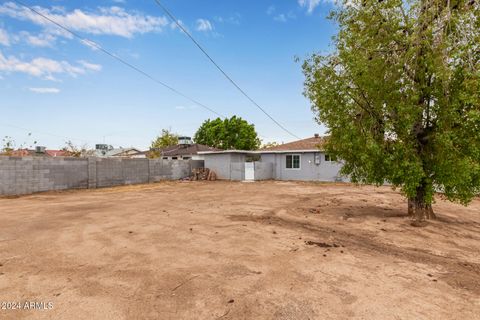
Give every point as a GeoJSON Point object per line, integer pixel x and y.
{"type": "Point", "coordinates": [179, 25]}
{"type": "Point", "coordinates": [116, 57]}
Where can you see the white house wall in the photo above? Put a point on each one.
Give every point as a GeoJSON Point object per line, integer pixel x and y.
{"type": "Point", "coordinates": [231, 166]}
{"type": "Point", "coordinates": [263, 170]}
{"type": "Point", "coordinates": [309, 171]}
{"type": "Point", "coordinates": [227, 166]}
{"type": "Point", "coordinates": [220, 163]}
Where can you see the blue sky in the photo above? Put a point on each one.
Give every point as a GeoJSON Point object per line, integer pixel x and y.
{"type": "Point", "coordinates": [58, 88]}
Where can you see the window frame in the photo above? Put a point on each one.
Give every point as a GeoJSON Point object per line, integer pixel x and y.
{"type": "Point", "coordinates": [330, 158]}
{"type": "Point", "coordinates": [299, 161]}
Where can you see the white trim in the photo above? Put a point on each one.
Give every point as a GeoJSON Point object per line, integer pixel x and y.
{"type": "Point", "coordinates": [260, 151]}
{"type": "Point", "coordinates": [291, 151]}
{"type": "Point", "coordinates": [299, 161]}
{"type": "Point", "coordinates": [227, 151]}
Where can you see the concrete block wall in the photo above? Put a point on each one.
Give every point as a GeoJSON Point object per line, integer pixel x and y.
{"type": "Point", "coordinates": [25, 175]}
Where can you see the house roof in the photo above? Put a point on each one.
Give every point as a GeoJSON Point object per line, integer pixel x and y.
{"type": "Point", "coordinates": [57, 153]}
{"type": "Point", "coordinates": [33, 153]}
{"type": "Point", "coordinates": [117, 152]}
{"type": "Point", "coordinates": [229, 151]}
{"type": "Point", "coordinates": [314, 143]}
{"type": "Point", "coordinates": [183, 150]}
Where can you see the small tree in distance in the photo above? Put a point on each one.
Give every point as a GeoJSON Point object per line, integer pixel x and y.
{"type": "Point", "coordinates": [73, 150]}
{"type": "Point", "coordinates": [165, 139]}
{"type": "Point", "coordinates": [269, 145]}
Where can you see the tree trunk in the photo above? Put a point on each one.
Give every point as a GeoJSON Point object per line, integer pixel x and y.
{"type": "Point", "coordinates": [419, 209]}
{"type": "Point", "coordinates": [411, 207]}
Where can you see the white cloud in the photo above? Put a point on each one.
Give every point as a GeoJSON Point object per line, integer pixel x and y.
{"type": "Point", "coordinates": [90, 66]}
{"type": "Point", "coordinates": [4, 38]}
{"type": "Point", "coordinates": [110, 21]}
{"type": "Point", "coordinates": [204, 25]}
{"type": "Point", "coordinates": [44, 90]}
{"type": "Point", "coordinates": [309, 4]}
{"type": "Point", "coordinates": [233, 19]}
{"type": "Point", "coordinates": [41, 40]}
{"type": "Point", "coordinates": [284, 17]}
{"type": "Point", "coordinates": [92, 45]}
{"type": "Point", "coordinates": [43, 67]}
{"type": "Point", "coordinates": [271, 10]}
{"type": "Point", "coordinates": [281, 18]}
{"type": "Point", "coordinates": [174, 26]}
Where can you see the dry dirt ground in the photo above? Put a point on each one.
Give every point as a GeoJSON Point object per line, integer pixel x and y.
{"type": "Point", "coordinates": [226, 250]}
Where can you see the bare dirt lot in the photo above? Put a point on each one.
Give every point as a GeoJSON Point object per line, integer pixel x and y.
{"type": "Point", "coordinates": [225, 250]}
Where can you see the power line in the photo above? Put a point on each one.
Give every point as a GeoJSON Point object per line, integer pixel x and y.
{"type": "Point", "coordinates": [99, 47]}
{"type": "Point", "coordinates": [220, 69]}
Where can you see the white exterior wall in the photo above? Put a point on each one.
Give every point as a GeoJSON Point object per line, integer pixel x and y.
{"type": "Point", "coordinates": [231, 166]}
{"type": "Point", "coordinates": [227, 166]}
{"type": "Point", "coordinates": [220, 163]}
{"type": "Point", "coordinates": [263, 170]}
{"type": "Point", "coordinates": [309, 171]}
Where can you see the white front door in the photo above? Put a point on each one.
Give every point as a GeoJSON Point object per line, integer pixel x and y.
{"type": "Point", "coordinates": [249, 171]}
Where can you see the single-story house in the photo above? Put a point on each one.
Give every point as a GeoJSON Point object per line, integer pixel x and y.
{"type": "Point", "coordinates": [104, 150]}
{"type": "Point", "coordinates": [298, 160]}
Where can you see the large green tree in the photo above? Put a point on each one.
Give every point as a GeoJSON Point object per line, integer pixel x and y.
{"type": "Point", "coordinates": [400, 94]}
{"type": "Point", "coordinates": [233, 133]}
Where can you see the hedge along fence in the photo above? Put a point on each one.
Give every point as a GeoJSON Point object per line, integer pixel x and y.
{"type": "Point", "coordinates": [25, 175]}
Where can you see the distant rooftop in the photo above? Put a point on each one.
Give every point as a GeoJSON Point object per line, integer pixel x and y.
{"type": "Point", "coordinates": [184, 150]}
{"type": "Point", "coordinates": [314, 143]}
{"type": "Point", "coordinates": [34, 153]}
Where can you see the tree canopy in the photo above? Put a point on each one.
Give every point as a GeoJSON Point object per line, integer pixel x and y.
{"type": "Point", "coordinates": [165, 139]}
{"type": "Point", "coordinates": [233, 133]}
{"type": "Point", "coordinates": [73, 150]}
{"type": "Point", "coordinates": [269, 144]}
{"type": "Point", "coordinates": [400, 95]}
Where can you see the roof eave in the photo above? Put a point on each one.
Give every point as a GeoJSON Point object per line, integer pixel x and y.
{"type": "Point", "coordinates": [259, 151]}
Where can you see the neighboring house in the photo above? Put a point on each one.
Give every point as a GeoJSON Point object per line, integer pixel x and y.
{"type": "Point", "coordinates": [123, 152]}
{"type": "Point", "coordinates": [299, 160]}
{"type": "Point", "coordinates": [184, 150]}
{"type": "Point", "coordinates": [57, 153]}
{"type": "Point", "coordinates": [38, 152]}
{"type": "Point", "coordinates": [103, 150]}
{"type": "Point", "coordinates": [141, 155]}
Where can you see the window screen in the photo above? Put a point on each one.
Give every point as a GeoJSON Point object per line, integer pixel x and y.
{"type": "Point", "coordinates": [292, 161]}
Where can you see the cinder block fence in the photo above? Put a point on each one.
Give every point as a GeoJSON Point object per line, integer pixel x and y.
{"type": "Point", "coordinates": [25, 175]}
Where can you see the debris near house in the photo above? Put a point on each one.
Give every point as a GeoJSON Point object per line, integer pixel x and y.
{"type": "Point", "coordinates": [203, 174]}
{"type": "Point", "coordinates": [212, 176]}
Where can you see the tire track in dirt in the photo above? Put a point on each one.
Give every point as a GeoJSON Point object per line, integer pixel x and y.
{"type": "Point", "coordinates": [466, 274]}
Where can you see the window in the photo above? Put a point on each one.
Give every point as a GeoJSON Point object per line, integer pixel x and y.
{"type": "Point", "coordinates": [292, 161]}
{"type": "Point", "coordinates": [174, 158]}
{"type": "Point", "coordinates": [252, 158]}
{"type": "Point", "coordinates": [185, 158]}
{"type": "Point", "coordinates": [330, 158]}
{"type": "Point", "coordinates": [165, 158]}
